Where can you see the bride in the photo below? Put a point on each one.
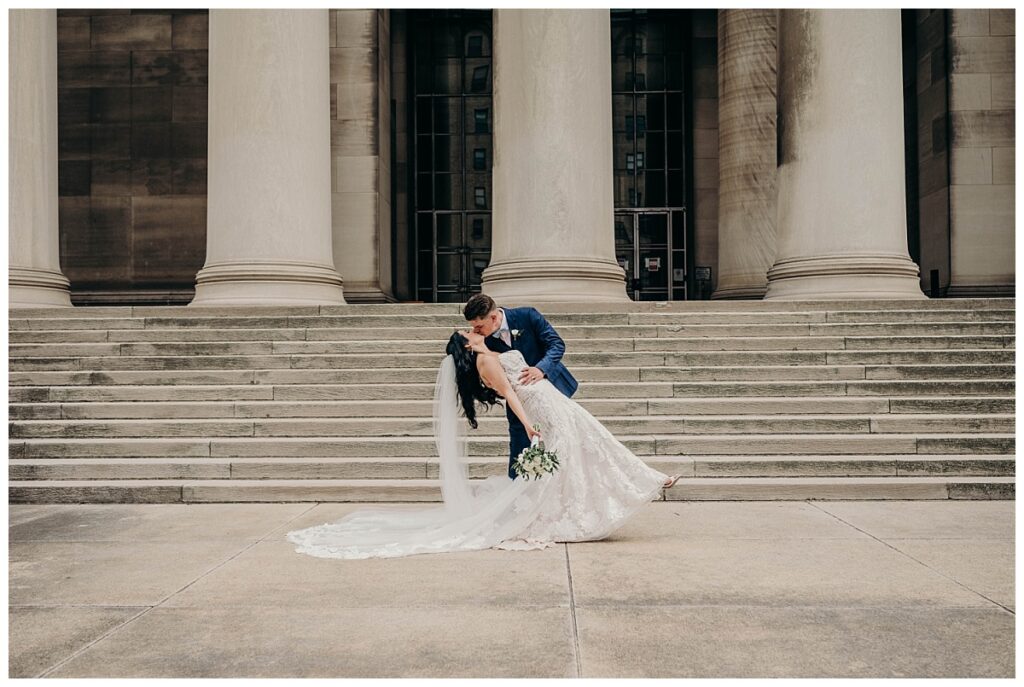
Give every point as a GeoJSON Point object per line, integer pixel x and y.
{"type": "Point", "coordinates": [598, 485]}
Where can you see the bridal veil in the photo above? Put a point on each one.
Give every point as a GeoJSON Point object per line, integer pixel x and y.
{"type": "Point", "coordinates": [476, 514]}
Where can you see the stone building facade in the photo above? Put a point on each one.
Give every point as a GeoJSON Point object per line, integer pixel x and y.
{"type": "Point", "coordinates": [381, 155]}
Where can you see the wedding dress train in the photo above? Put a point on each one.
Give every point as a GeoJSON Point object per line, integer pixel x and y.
{"type": "Point", "coordinates": [598, 485]}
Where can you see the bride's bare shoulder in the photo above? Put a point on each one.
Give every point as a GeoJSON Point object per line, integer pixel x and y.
{"type": "Point", "coordinates": [489, 366]}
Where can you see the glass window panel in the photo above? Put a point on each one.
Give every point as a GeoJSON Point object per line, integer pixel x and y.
{"type": "Point", "coordinates": [424, 192]}
{"type": "Point", "coordinates": [449, 270]}
{"type": "Point", "coordinates": [622, 73]}
{"type": "Point", "coordinates": [475, 45]}
{"type": "Point", "coordinates": [623, 185]}
{"type": "Point", "coordinates": [655, 71]}
{"type": "Point", "coordinates": [653, 269]}
{"type": "Point", "coordinates": [675, 149]}
{"type": "Point", "coordinates": [425, 265]}
{"type": "Point", "coordinates": [478, 77]}
{"type": "Point", "coordinates": [424, 153]}
{"type": "Point", "coordinates": [448, 76]}
{"type": "Point", "coordinates": [424, 230]}
{"type": "Point", "coordinates": [653, 230]}
{"type": "Point", "coordinates": [675, 188]}
{"type": "Point", "coordinates": [679, 229]}
{"type": "Point", "coordinates": [654, 32]}
{"type": "Point", "coordinates": [674, 117]}
{"type": "Point", "coordinates": [479, 160]}
{"type": "Point", "coordinates": [654, 146]}
{"type": "Point", "coordinates": [478, 236]}
{"type": "Point", "coordinates": [655, 111]}
{"type": "Point", "coordinates": [448, 153]}
{"type": "Point", "coordinates": [622, 107]}
{"type": "Point", "coordinates": [623, 232]}
{"type": "Point", "coordinates": [447, 38]}
{"type": "Point", "coordinates": [449, 231]}
{"type": "Point", "coordinates": [481, 120]}
{"type": "Point", "coordinates": [674, 72]}
{"type": "Point", "coordinates": [448, 191]}
{"type": "Point", "coordinates": [447, 113]}
{"type": "Point", "coordinates": [424, 120]}
{"type": "Point", "coordinates": [654, 189]}
{"type": "Point", "coordinates": [477, 264]}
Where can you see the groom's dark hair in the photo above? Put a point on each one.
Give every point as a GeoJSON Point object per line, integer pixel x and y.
{"type": "Point", "coordinates": [478, 306]}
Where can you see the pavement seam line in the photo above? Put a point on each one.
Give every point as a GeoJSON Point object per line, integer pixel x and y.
{"type": "Point", "coordinates": [919, 562]}
{"type": "Point", "coordinates": [164, 600]}
{"type": "Point", "coordinates": [572, 616]}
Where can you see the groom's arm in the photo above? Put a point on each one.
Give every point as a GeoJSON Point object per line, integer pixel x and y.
{"type": "Point", "coordinates": [554, 347]}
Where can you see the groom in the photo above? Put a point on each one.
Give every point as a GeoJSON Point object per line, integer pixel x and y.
{"type": "Point", "coordinates": [525, 330]}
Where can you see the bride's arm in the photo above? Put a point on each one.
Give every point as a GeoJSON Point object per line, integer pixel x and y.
{"type": "Point", "coordinates": [492, 373]}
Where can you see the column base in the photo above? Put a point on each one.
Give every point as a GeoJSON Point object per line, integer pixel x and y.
{"type": "Point", "coordinates": [268, 283]}
{"type": "Point", "coordinates": [31, 287]}
{"type": "Point", "coordinates": [828, 277]}
{"type": "Point", "coordinates": [739, 292]}
{"type": "Point", "coordinates": [555, 280]}
{"type": "Point", "coordinates": [367, 293]}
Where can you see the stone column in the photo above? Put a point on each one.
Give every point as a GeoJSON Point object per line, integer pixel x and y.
{"type": "Point", "coordinates": [747, 52]}
{"type": "Point", "coordinates": [35, 278]}
{"type": "Point", "coordinates": [841, 199]}
{"type": "Point", "coordinates": [269, 168]}
{"type": "Point", "coordinates": [553, 231]}
{"type": "Point", "coordinates": [361, 152]}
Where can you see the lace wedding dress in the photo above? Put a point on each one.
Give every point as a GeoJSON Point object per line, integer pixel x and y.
{"type": "Point", "coordinates": [598, 485]}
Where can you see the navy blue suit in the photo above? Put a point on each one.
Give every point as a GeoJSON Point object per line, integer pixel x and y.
{"type": "Point", "coordinates": [542, 348]}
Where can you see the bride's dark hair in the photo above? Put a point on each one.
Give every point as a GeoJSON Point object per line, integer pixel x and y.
{"type": "Point", "coordinates": [467, 379]}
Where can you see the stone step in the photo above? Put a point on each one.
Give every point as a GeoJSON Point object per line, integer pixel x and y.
{"type": "Point", "coordinates": [922, 334]}
{"type": "Point", "coordinates": [230, 407]}
{"type": "Point", "coordinates": [653, 367]}
{"type": "Point", "coordinates": [296, 354]}
{"type": "Point", "coordinates": [645, 444]}
{"type": "Point", "coordinates": [495, 424]}
{"type": "Point", "coordinates": [456, 308]}
{"type": "Point", "coordinates": [421, 468]}
{"type": "Point", "coordinates": [410, 490]}
{"type": "Point", "coordinates": [234, 386]}
{"type": "Point", "coordinates": [397, 321]}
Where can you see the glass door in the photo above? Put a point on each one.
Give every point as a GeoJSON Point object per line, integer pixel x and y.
{"type": "Point", "coordinates": [645, 249]}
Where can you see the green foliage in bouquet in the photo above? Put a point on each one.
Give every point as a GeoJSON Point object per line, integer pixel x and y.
{"type": "Point", "coordinates": [534, 461]}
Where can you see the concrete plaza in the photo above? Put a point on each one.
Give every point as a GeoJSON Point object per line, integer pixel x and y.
{"type": "Point", "coordinates": [685, 589]}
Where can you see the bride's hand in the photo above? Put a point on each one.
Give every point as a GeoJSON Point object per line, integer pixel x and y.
{"type": "Point", "coordinates": [531, 433]}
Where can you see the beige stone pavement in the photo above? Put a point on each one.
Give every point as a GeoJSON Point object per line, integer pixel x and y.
{"type": "Point", "coordinates": [685, 589]}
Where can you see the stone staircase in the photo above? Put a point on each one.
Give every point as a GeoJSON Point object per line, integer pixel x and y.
{"type": "Point", "coordinates": [749, 399]}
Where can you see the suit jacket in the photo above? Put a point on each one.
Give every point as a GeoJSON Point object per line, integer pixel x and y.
{"type": "Point", "coordinates": [540, 345]}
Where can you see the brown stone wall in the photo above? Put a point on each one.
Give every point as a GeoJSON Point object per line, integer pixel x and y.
{"type": "Point", "coordinates": [132, 103]}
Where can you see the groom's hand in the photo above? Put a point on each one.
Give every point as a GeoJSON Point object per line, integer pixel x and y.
{"type": "Point", "coordinates": [530, 375]}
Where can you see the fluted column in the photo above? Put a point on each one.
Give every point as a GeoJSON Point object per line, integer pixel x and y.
{"type": "Point", "coordinates": [841, 200]}
{"type": "Point", "coordinates": [746, 128]}
{"type": "Point", "coordinates": [553, 231]}
{"type": "Point", "coordinates": [35, 278]}
{"type": "Point", "coordinates": [269, 167]}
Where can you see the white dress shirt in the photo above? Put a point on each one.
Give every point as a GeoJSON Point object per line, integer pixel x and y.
{"type": "Point", "coordinates": [503, 332]}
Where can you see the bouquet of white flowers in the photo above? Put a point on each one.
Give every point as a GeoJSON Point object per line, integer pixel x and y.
{"type": "Point", "coordinates": [534, 461]}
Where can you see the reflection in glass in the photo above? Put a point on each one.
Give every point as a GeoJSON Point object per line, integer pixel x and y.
{"type": "Point", "coordinates": [451, 88]}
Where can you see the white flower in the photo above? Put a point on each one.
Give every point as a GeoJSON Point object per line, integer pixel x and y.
{"type": "Point", "coordinates": [515, 333]}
